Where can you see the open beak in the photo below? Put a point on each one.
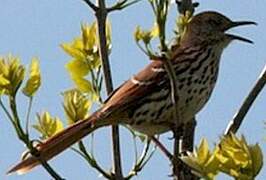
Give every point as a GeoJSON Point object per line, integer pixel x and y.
{"type": "Point", "coordinates": [240, 23]}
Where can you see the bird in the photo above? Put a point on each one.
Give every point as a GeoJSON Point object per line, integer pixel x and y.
{"type": "Point", "coordinates": [144, 101]}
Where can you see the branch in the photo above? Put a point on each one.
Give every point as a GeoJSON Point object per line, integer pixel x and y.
{"type": "Point", "coordinates": [186, 142]}
{"type": "Point", "coordinates": [121, 5]}
{"type": "Point", "coordinates": [235, 123]}
{"type": "Point", "coordinates": [141, 161]}
{"type": "Point", "coordinates": [24, 137]}
{"type": "Point", "coordinates": [101, 16]}
{"type": "Point", "coordinates": [91, 5]}
{"type": "Point", "coordinates": [90, 159]}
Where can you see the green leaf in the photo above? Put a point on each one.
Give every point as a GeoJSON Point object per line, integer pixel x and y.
{"type": "Point", "coordinates": [34, 81]}
{"type": "Point", "coordinates": [77, 68]}
{"type": "Point", "coordinates": [89, 36]}
{"type": "Point", "coordinates": [11, 74]}
{"type": "Point", "coordinates": [75, 49]}
{"type": "Point", "coordinates": [203, 151]}
{"type": "Point", "coordinates": [76, 105]}
{"type": "Point", "coordinates": [257, 159]}
{"type": "Point", "coordinates": [48, 126]}
{"type": "Point", "coordinates": [83, 85]}
{"type": "Point", "coordinates": [138, 34]}
{"type": "Point", "coordinates": [237, 158]}
{"type": "Point", "coordinates": [202, 161]}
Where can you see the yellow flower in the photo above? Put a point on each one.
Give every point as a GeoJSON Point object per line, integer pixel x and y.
{"type": "Point", "coordinates": [182, 22]}
{"type": "Point", "coordinates": [48, 126]}
{"type": "Point", "coordinates": [232, 156]}
{"type": "Point", "coordinates": [4, 83]}
{"type": "Point", "coordinates": [239, 159]}
{"type": "Point", "coordinates": [85, 47]}
{"type": "Point", "coordinates": [256, 158]}
{"type": "Point", "coordinates": [146, 35]}
{"type": "Point", "coordinates": [89, 37]}
{"type": "Point", "coordinates": [11, 75]}
{"type": "Point", "coordinates": [76, 105]}
{"type": "Point", "coordinates": [83, 84]}
{"type": "Point", "coordinates": [34, 81]}
{"type": "Point", "coordinates": [109, 35]}
{"type": "Point", "coordinates": [154, 31]}
{"type": "Point", "coordinates": [75, 49]}
{"type": "Point", "coordinates": [77, 68]}
{"type": "Point", "coordinates": [202, 161]}
{"type": "Point", "coordinates": [138, 34]}
{"type": "Point", "coordinates": [86, 58]}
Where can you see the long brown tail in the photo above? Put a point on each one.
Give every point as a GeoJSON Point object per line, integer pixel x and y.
{"type": "Point", "coordinates": [61, 141]}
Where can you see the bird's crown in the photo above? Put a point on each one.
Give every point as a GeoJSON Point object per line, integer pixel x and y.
{"type": "Point", "coordinates": [212, 25]}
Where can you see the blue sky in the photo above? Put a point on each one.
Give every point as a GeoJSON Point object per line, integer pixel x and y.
{"type": "Point", "coordinates": [37, 28]}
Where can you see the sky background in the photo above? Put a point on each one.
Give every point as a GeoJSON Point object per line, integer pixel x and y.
{"type": "Point", "coordinates": [37, 28]}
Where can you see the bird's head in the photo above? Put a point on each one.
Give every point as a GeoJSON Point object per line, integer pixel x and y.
{"type": "Point", "coordinates": [212, 26]}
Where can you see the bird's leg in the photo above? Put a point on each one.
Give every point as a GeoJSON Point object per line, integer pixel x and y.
{"type": "Point", "coordinates": [186, 144]}
{"type": "Point", "coordinates": [187, 140]}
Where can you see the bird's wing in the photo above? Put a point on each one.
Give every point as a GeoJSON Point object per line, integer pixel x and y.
{"type": "Point", "coordinates": [146, 81]}
{"type": "Point", "coordinates": [150, 79]}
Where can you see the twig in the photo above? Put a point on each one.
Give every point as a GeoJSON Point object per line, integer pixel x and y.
{"type": "Point", "coordinates": [162, 148]}
{"type": "Point", "coordinates": [121, 5]}
{"type": "Point", "coordinates": [174, 89]}
{"type": "Point", "coordinates": [6, 111]}
{"type": "Point", "coordinates": [24, 137]}
{"type": "Point", "coordinates": [184, 143]}
{"type": "Point", "coordinates": [235, 123]}
{"type": "Point", "coordinates": [101, 16]}
{"type": "Point", "coordinates": [50, 170]}
{"type": "Point", "coordinates": [141, 162]}
{"type": "Point", "coordinates": [28, 115]}
{"type": "Point", "coordinates": [90, 159]}
{"type": "Point", "coordinates": [177, 163]}
{"type": "Point", "coordinates": [91, 5]}
{"type": "Point", "coordinates": [160, 9]}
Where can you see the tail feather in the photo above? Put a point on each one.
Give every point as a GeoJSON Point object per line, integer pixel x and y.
{"type": "Point", "coordinates": [61, 141]}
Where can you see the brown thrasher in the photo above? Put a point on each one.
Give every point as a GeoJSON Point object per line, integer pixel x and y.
{"type": "Point", "coordinates": [144, 102]}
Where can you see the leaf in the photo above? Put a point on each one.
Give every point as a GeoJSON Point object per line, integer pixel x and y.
{"type": "Point", "coordinates": [12, 74]}
{"type": "Point", "coordinates": [89, 36]}
{"type": "Point", "coordinates": [257, 158]}
{"type": "Point", "coordinates": [237, 158]}
{"type": "Point", "coordinates": [182, 22]}
{"type": "Point", "coordinates": [192, 162]}
{"type": "Point", "coordinates": [154, 31]}
{"type": "Point", "coordinates": [76, 105]}
{"type": "Point", "coordinates": [146, 35]}
{"type": "Point", "coordinates": [203, 151]}
{"type": "Point", "coordinates": [77, 68]}
{"type": "Point", "coordinates": [75, 49]}
{"type": "Point", "coordinates": [48, 126]}
{"type": "Point", "coordinates": [109, 35]}
{"type": "Point", "coordinates": [202, 161]}
{"type": "Point", "coordinates": [34, 81]}
{"type": "Point", "coordinates": [83, 85]}
{"type": "Point", "coordinates": [4, 83]}
{"type": "Point", "coordinates": [138, 34]}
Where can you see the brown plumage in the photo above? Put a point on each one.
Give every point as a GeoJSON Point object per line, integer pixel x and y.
{"type": "Point", "coordinates": [144, 101]}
